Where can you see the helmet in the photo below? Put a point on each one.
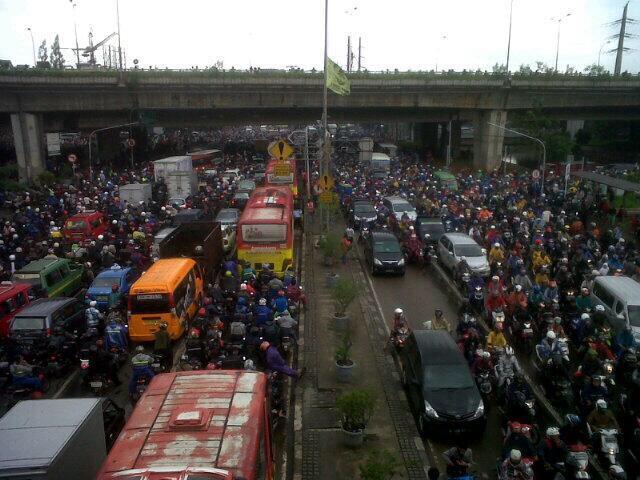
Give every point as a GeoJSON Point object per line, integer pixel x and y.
{"type": "Point", "coordinates": [617, 472]}
{"type": "Point", "coordinates": [585, 316]}
{"type": "Point", "coordinates": [202, 312]}
{"type": "Point", "coordinates": [572, 419]}
{"type": "Point", "coordinates": [515, 455]}
{"type": "Point", "coordinates": [599, 308]}
{"type": "Point", "coordinates": [518, 288]}
{"type": "Point", "coordinates": [163, 326]}
{"type": "Point", "coordinates": [262, 301]}
{"type": "Point", "coordinates": [228, 273]}
{"type": "Point", "coordinates": [115, 222]}
{"type": "Point", "coordinates": [264, 346]}
{"type": "Point", "coordinates": [497, 245]}
{"type": "Point", "coordinates": [495, 278]}
{"type": "Point", "coordinates": [100, 237]}
{"type": "Point", "coordinates": [553, 432]}
{"type": "Point", "coordinates": [398, 311]}
{"type": "Point", "coordinates": [551, 335]}
{"type": "Point", "coordinates": [601, 404]}
{"type": "Point", "coordinates": [438, 312]}
{"type": "Point", "coordinates": [114, 288]}
{"type": "Point", "coordinates": [139, 349]}
{"type": "Point", "coordinates": [508, 350]}
{"type": "Point", "coordinates": [243, 286]}
{"type": "Point", "coordinates": [486, 355]}
{"type": "Point", "coordinates": [93, 303]}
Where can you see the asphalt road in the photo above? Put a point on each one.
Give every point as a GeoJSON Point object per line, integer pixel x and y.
{"type": "Point", "coordinates": [419, 293]}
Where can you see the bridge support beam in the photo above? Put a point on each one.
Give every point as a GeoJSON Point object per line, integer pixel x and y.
{"type": "Point", "coordinates": [488, 139]}
{"type": "Point", "coordinates": [29, 144]}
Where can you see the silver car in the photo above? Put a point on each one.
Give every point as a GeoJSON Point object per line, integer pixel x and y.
{"type": "Point", "coordinates": [453, 246]}
{"type": "Point", "coordinates": [398, 206]}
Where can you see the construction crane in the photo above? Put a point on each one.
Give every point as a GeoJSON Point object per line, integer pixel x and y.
{"type": "Point", "coordinates": [90, 50]}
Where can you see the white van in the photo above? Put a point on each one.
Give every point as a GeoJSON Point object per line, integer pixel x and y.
{"type": "Point", "coordinates": [620, 297]}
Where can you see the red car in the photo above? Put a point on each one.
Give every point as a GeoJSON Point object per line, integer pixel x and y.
{"type": "Point", "coordinates": [13, 298]}
{"type": "Point", "coordinates": [85, 226]}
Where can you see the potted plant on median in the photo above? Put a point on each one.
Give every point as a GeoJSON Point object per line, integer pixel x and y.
{"type": "Point", "coordinates": [355, 409]}
{"type": "Point", "coordinates": [330, 248]}
{"type": "Point", "coordinates": [343, 293]}
{"type": "Point", "coordinates": [380, 465]}
{"type": "Point", "coordinates": [344, 363]}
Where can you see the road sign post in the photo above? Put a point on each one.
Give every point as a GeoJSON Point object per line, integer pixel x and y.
{"type": "Point", "coordinates": [280, 150]}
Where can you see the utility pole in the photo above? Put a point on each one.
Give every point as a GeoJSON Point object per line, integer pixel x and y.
{"type": "Point", "coordinates": [359, 52]}
{"type": "Point", "coordinates": [349, 54]}
{"type": "Point", "coordinates": [509, 41]}
{"type": "Point", "coordinates": [75, 29]}
{"type": "Point", "coordinates": [559, 20]}
{"type": "Point", "coordinates": [621, 36]}
{"type": "Point", "coordinates": [33, 47]}
{"type": "Point", "coordinates": [324, 170]}
{"type": "Point", "coordinates": [119, 44]}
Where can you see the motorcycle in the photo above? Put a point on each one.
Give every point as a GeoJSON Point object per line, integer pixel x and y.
{"type": "Point", "coordinates": [414, 255]}
{"type": "Point", "coordinates": [485, 385]}
{"type": "Point", "coordinates": [476, 300]}
{"type": "Point", "coordinates": [609, 448]}
{"type": "Point", "coordinates": [364, 235]}
{"type": "Point", "coordinates": [399, 338]}
{"type": "Point", "coordinates": [497, 316]}
{"type": "Point", "coordinates": [97, 382]}
{"type": "Point", "coordinates": [141, 387]}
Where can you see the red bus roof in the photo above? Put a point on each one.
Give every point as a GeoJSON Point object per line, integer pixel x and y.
{"type": "Point", "coordinates": [90, 214]}
{"type": "Point", "coordinates": [265, 215]}
{"type": "Point", "coordinates": [271, 196]}
{"type": "Point", "coordinates": [201, 419]}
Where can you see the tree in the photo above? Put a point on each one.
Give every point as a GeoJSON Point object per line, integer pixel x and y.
{"type": "Point", "coordinates": [542, 67]}
{"type": "Point", "coordinates": [57, 60]}
{"type": "Point", "coordinates": [525, 69]}
{"type": "Point", "coordinates": [499, 68]}
{"type": "Point", "coordinates": [595, 69]}
{"type": "Point", "coordinates": [43, 56]}
{"type": "Point", "coordinates": [552, 132]}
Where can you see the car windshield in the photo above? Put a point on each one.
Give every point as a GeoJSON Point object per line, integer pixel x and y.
{"type": "Point", "coordinates": [364, 210]}
{"type": "Point", "coordinates": [27, 323]}
{"type": "Point", "coordinates": [469, 250]}
{"type": "Point", "coordinates": [403, 207]}
{"type": "Point", "coordinates": [634, 315]}
{"type": "Point", "coordinates": [76, 224]}
{"type": "Point", "coordinates": [386, 246]}
{"type": "Point", "coordinates": [101, 282]}
{"type": "Point", "coordinates": [441, 377]}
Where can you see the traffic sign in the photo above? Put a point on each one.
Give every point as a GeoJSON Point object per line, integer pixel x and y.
{"type": "Point", "coordinates": [72, 158]}
{"type": "Point", "coordinates": [131, 143]}
{"type": "Point", "coordinates": [325, 182]}
{"type": "Point", "coordinates": [280, 150]}
{"type": "Point", "coordinates": [282, 169]}
{"type": "Point", "coordinates": [535, 174]}
{"type": "Point", "coordinates": [328, 198]}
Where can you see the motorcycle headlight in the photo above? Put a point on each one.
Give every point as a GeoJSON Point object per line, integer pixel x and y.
{"type": "Point", "coordinates": [480, 409]}
{"type": "Point", "coordinates": [430, 411]}
{"type": "Point", "coordinates": [377, 262]}
{"type": "Point", "coordinates": [401, 262]}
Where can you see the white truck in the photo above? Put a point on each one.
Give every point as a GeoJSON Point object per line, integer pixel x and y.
{"type": "Point", "coordinates": [181, 184]}
{"type": "Point", "coordinates": [165, 166]}
{"type": "Point", "coordinates": [134, 193]}
{"type": "Point", "coordinates": [366, 149]}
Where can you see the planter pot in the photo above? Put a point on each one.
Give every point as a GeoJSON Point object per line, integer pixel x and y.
{"type": "Point", "coordinates": [341, 322]}
{"type": "Point", "coordinates": [353, 439]}
{"type": "Point", "coordinates": [345, 372]}
{"type": "Point", "coordinates": [328, 261]}
{"type": "Point", "coordinates": [331, 279]}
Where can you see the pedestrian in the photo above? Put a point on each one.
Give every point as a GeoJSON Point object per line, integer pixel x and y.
{"type": "Point", "coordinates": [345, 245]}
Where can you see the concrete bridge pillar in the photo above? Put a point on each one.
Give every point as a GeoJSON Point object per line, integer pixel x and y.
{"type": "Point", "coordinates": [29, 144]}
{"type": "Point", "coordinates": [488, 139]}
{"type": "Point", "coordinates": [456, 138]}
{"type": "Point", "coordinates": [573, 126]}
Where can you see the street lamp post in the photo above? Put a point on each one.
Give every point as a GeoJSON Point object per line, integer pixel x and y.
{"type": "Point", "coordinates": [75, 29]}
{"type": "Point", "coordinates": [600, 51]}
{"type": "Point", "coordinates": [544, 150]}
{"type": "Point", "coordinates": [102, 130]}
{"type": "Point", "coordinates": [509, 41]}
{"type": "Point", "coordinates": [559, 20]}
{"type": "Point", "coordinates": [119, 45]}
{"type": "Point", "coordinates": [33, 47]}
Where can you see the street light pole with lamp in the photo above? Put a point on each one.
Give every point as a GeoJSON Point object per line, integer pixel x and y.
{"type": "Point", "coordinates": [559, 20]}
{"type": "Point", "coordinates": [75, 29]}
{"type": "Point", "coordinates": [33, 47]}
{"type": "Point", "coordinates": [544, 150]}
{"type": "Point", "coordinates": [509, 41]}
{"type": "Point", "coordinates": [600, 51]}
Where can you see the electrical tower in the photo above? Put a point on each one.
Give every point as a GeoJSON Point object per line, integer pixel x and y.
{"type": "Point", "coordinates": [623, 22]}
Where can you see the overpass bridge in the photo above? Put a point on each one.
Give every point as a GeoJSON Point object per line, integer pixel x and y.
{"type": "Point", "coordinates": [50, 100]}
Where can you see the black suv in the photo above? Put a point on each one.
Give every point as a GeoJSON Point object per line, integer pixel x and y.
{"type": "Point", "coordinates": [363, 213]}
{"type": "Point", "coordinates": [429, 229]}
{"type": "Point", "coordinates": [440, 388]}
{"type": "Point", "coordinates": [383, 253]}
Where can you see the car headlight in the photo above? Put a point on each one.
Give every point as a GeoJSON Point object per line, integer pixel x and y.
{"type": "Point", "coordinates": [480, 409]}
{"type": "Point", "coordinates": [377, 262]}
{"type": "Point", "coordinates": [401, 262]}
{"type": "Point", "coordinates": [430, 411]}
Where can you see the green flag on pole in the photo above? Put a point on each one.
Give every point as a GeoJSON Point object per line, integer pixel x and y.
{"type": "Point", "coordinates": [337, 81]}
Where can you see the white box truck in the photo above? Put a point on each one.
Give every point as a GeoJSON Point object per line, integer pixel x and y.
{"type": "Point", "coordinates": [181, 163]}
{"type": "Point", "coordinates": [366, 149]}
{"type": "Point", "coordinates": [134, 193]}
{"type": "Point", "coordinates": [181, 184]}
{"type": "Point", "coordinates": [53, 439]}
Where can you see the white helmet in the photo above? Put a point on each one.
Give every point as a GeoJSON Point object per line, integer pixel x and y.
{"type": "Point", "coordinates": [508, 350]}
{"type": "Point", "coordinates": [518, 288]}
{"type": "Point", "coordinates": [585, 316]}
{"type": "Point", "coordinates": [599, 308]}
{"type": "Point", "coordinates": [101, 237]}
{"type": "Point", "coordinates": [115, 222]}
{"type": "Point", "coordinates": [601, 404]}
{"type": "Point", "coordinates": [93, 303]}
{"type": "Point", "coordinates": [486, 355]}
{"type": "Point", "coordinates": [398, 311]}
{"type": "Point", "coordinates": [496, 245]}
{"type": "Point", "coordinates": [515, 455]}
{"type": "Point", "coordinates": [553, 432]}
{"type": "Point", "coordinates": [262, 301]}
{"type": "Point", "coordinates": [551, 335]}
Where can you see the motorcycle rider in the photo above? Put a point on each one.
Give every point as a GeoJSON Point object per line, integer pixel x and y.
{"type": "Point", "coordinates": [162, 346]}
{"type": "Point", "coordinates": [496, 338]}
{"type": "Point", "coordinates": [115, 335]}
{"type": "Point", "coordinates": [22, 375]}
{"type": "Point", "coordinates": [547, 346]}
{"type": "Point", "coordinates": [601, 417]}
{"type": "Point", "coordinates": [513, 468]}
{"type": "Point", "coordinates": [438, 322]}
{"type": "Point", "coordinates": [508, 366]}
{"type": "Point", "coordinates": [523, 279]}
{"type": "Point", "coordinates": [93, 318]}
{"type": "Point", "coordinates": [276, 363]}
{"type": "Point", "coordinates": [593, 392]}
{"type": "Point", "coordinates": [141, 365]}
{"type": "Point", "coordinates": [518, 385]}
{"type": "Point", "coordinates": [115, 299]}
{"type": "Point", "coordinates": [583, 301]}
{"type": "Point", "coordinates": [552, 453]}
{"type": "Point", "coordinates": [516, 300]}
{"type": "Point", "coordinates": [458, 460]}
{"type": "Point", "coordinates": [625, 341]}
{"type": "Point", "coordinates": [517, 439]}
{"type": "Point", "coordinates": [262, 312]}
{"type": "Point", "coordinates": [280, 303]}
{"type": "Point", "coordinates": [482, 362]}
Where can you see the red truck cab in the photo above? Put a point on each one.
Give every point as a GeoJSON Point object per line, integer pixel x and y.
{"type": "Point", "coordinates": [14, 296]}
{"type": "Point", "coordinates": [85, 226]}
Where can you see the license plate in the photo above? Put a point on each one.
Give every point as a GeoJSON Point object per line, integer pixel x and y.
{"type": "Point", "coordinates": [528, 331]}
{"type": "Point", "coordinates": [95, 384]}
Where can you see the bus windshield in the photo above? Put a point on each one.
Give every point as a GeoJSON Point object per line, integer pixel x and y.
{"type": "Point", "coordinates": [264, 233]}
{"type": "Point", "coordinates": [145, 303]}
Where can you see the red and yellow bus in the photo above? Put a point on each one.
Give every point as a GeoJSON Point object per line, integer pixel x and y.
{"type": "Point", "coordinates": [282, 173]}
{"type": "Point", "coordinates": [204, 160]}
{"type": "Point", "coordinates": [203, 424]}
{"type": "Point", "coordinates": [265, 230]}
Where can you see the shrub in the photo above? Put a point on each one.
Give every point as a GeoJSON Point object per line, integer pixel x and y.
{"type": "Point", "coordinates": [330, 245]}
{"type": "Point", "coordinates": [344, 292]}
{"type": "Point", "coordinates": [343, 352]}
{"type": "Point", "coordinates": [356, 408]}
{"type": "Point", "coordinates": [380, 465]}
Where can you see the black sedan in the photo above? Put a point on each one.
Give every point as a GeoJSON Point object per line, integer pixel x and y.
{"type": "Point", "coordinates": [383, 253]}
{"type": "Point", "coordinates": [363, 213]}
{"type": "Point", "coordinates": [429, 229]}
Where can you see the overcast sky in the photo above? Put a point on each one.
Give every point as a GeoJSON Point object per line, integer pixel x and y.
{"type": "Point", "coordinates": [403, 34]}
